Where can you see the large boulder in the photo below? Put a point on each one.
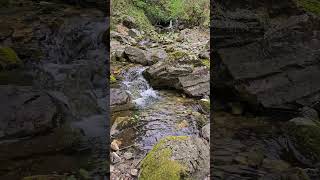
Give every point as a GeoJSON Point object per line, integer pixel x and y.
{"type": "Point", "coordinates": [119, 100]}
{"type": "Point", "coordinates": [268, 62]}
{"type": "Point", "coordinates": [26, 112]}
{"type": "Point", "coordinates": [177, 157]}
{"type": "Point", "coordinates": [181, 74]}
{"type": "Point", "coordinates": [136, 55]}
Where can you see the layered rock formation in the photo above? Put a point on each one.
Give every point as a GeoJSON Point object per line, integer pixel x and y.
{"type": "Point", "coordinates": [266, 53]}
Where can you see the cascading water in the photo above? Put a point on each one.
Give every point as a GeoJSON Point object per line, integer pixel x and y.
{"type": "Point", "coordinates": [139, 89]}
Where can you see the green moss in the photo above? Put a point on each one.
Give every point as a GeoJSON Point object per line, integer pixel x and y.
{"type": "Point", "coordinates": [312, 6]}
{"type": "Point", "coordinates": [158, 165]}
{"type": "Point", "coordinates": [9, 57]}
{"type": "Point", "coordinates": [307, 140]}
{"type": "Point", "coordinates": [124, 8]}
{"type": "Point", "coordinates": [177, 55]}
{"type": "Point", "coordinates": [112, 79]}
{"type": "Point", "coordinates": [206, 62]}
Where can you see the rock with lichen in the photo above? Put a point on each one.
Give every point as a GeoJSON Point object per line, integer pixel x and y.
{"type": "Point", "coordinates": [176, 157]}
{"type": "Point", "coordinates": [9, 58]}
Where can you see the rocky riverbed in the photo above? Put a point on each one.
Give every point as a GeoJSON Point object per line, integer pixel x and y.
{"type": "Point", "coordinates": [265, 82]}
{"type": "Point", "coordinates": [160, 104]}
{"type": "Point", "coordinates": [52, 69]}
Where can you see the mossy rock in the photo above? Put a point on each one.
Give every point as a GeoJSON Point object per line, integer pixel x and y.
{"type": "Point", "coordinates": [113, 79]}
{"type": "Point", "coordinates": [312, 6]}
{"type": "Point", "coordinates": [177, 55]}
{"type": "Point", "coordinates": [306, 140]}
{"type": "Point", "coordinates": [158, 165]}
{"type": "Point", "coordinates": [206, 62]}
{"type": "Point", "coordinates": [9, 58]}
{"type": "Point", "coordinates": [175, 158]}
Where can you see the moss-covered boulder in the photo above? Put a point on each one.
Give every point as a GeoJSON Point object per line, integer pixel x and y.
{"type": "Point", "coordinates": [176, 157]}
{"type": "Point", "coordinates": [306, 139]}
{"type": "Point", "coordinates": [9, 58]}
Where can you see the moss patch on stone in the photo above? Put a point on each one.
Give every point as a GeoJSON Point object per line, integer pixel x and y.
{"type": "Point", "coordinates": [8, 57]}
{"type": "Point", "coordinates": [177, 55]}
{"type": "Point", "coordinates": [158, 165]}
{"type": "Point", "coordinates": [113, 79]}
{"type": "Point", "coordinates": [307, 140]}
{"type": "Point", "coordinates": [206, 62]}
{"type": "Point", "coordinates": [312, 6]}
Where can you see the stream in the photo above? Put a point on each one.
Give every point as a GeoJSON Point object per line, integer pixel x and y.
{"type": "Point", "coordinates": [159, 113]}
{"type": "Point", "coordinates": [71, 71]}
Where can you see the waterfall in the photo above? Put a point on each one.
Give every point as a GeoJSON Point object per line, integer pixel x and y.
{"type": "Point", "coordinates": [139, 89]}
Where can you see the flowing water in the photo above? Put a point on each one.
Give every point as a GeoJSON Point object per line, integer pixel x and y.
{"type": "Point", "coordinates": [137, 86]}
{"type": "Point", "coordinates": [159, 113]}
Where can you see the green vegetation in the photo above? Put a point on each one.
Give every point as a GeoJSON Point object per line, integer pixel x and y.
{"type": "Point", "coordinates": [158, 165]}
{"type": "Point", "coordinates": [312, 6]}
{"type": "Point", "coordinates": [121, 9]}
{"type": "Point", "coordinates": [192, 12]}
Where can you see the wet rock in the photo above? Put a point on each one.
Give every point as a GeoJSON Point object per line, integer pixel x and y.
{"type": "Point", "coordinates": [57, 140]}
{"type": "Point", "coordinates": [136, 55]}
{"type": "Point", "coordinates": [266, 62]}
{"type": "Point", "coordinates": [28, 112]}
{"type": "Point", "coordinates": [119, 100]}
{"type": "Point", "coordinates": [175, 156]}
{"type": "Point", "coordinates": [181, 75]}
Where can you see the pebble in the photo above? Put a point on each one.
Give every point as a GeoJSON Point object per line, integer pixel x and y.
{"type": "Point", "coordinates": [134, 172]}
{"type": "Point", "coordinates": [114, 145]}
